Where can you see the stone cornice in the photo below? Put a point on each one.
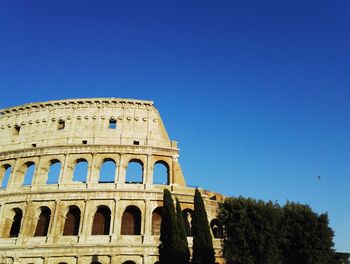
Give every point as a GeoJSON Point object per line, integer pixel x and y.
{"type": "Point", "coordinates": [71, 149]}
{"type": "Point", "coordinates": [77, 102]}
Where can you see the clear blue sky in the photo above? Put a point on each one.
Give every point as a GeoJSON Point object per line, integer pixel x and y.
{"type": "Point", "coordinates": [256, 92]}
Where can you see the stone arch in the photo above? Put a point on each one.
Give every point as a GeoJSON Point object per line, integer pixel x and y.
{"type": "Point", "coordinates": [102, 221]}
{"type": "Point", "coordinates": [107, 171]}
{"type": "Point", "coordinates": [72, 221]}
{"type": "Point", "coordinates": [134, 171]}
{"type": "Point", "coordinates": [161, 173]}
{"type": "Point", "coordinates": [43, 223]}
{"type": "Point", "coordinates": [5, 174]}
{"type": "Point", "coordinates": [156, 221]}
{"type": "Point", "coordinates": [81, 169]}
{"type": "Point", "coordinates": [16, 223]}
{"type": "Point", "coordinates": [54, 171]}
{"type": "Point", "coordinates": [131, 221]}
{"type": "Point", "coordinates": [188, 216]}
{"type": "Point", "coordinates": [29, 173]}
{"type": "Point", "coordinates": [216, 228]}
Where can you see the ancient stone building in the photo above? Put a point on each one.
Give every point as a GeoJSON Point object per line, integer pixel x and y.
{"type": "Point", "coordinates": [58, 201]}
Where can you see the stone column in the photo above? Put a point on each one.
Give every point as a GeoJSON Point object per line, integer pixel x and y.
{"type": "Point", "coordinates": [147, 222]}
{"type": "Point", "coordinates": [115, 222]}
{"type": "Point", "coordinates": [53, 232]}
{"type": "Point", "coordinates": [85, 223]}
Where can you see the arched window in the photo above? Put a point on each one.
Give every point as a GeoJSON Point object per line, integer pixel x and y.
{"type": "Point", "coordinates": [187, 215]}
{"type": "Point", "coordinates": [102, 220]}
{"type": "Point", "coordinates": [80, 171]}
{"type": "Point", "coordinates": [5, 175]}
{"type": "Point", "coordinates": [72, 222]}
{"type": "Point", "coordinates": [29, 173]}
{"type": "Point", "coordinates": [54, 172]}
{"type": "Point", "coordinates": [156, 221]}
{"type": "Point", "coordinates": [131, 221]}
{"type": "Point", "coordinates": [161, 173]}
{"type": "Point", "coordinates": [42, 226]}
{"type": "Point", "coordinates": [107, 171]}
{"type": "Point", "coordinates": [16, 223]}
{"type": "Point", "coordinates": [134, 172]}
{"type": "Point", "coordinates": [216, 228]}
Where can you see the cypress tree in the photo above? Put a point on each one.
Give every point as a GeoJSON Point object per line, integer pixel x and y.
{"type": "Point", "coordinates": [183, 244]}
{"type": "Point", "coordinates": [169, 233]}
{"type": "Point", "coordinates": [203, 251]}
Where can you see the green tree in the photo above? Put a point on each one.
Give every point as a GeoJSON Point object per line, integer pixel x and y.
{"type": "Point", "coordinates": [308, 238]}
{"type": "Point", "coordinates": [203, 251]}
{"type": "Point", "coordinates": [172, 249]}
{"type": "Point", "coordinates": [183, 244]}
{"type": "Point", "coordinates": [257, 233]}
{"type": "Point", "coordinates": [252, 229]}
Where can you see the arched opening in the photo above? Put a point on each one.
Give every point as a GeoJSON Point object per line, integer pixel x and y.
{"type": "Point", "coordinates": [188, 216]}
{"type": "Point", "coordinates": [129, 262]}
{"type": "Point", "coordinates": [96, 262]}
{"type": "Point", "coordinates": [80, 171]}
{"type": "Point", "coordinates": [131, 221]}
{"type": "Point", "coordinates": [16, 223]}
{"type": "Point", "coordinates": [42, 226]}
{"type": "Point", "coordinates": [156, 221]}
{"type": "Point", "coordinates": [134, 172]}
{"type": "Point", "coordinates": [5, 175]}
{"type": "Point", "coordinates": [216, 228]}
{"type": "Point", "coordinates": [54, 172]}
{"type": "Point", "coordinates": [107, 171]}
{"type": "Point", "coordinates": [102, 220]}
{"type": "Point", "coordinates": [29, 173]}
{"type": "Point", "coordinates": [72, 222]}
{"type": "Point", "coordinates": [161, 173]}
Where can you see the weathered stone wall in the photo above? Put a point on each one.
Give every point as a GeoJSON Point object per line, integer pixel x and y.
{"type": "Point", "coordinates": [67, 132]}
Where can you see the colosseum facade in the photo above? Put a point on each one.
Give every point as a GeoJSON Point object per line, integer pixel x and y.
{"type": "Point", "coordinates": [58, 201]}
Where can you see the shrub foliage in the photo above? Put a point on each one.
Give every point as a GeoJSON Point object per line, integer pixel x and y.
{"type": "Point", "coordinates": [257, 233]}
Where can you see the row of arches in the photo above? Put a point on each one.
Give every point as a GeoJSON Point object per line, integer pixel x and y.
{"type": "Point", "coordinates": [107, 172]}
{"type": "Point", "coordinates": [101, 225]}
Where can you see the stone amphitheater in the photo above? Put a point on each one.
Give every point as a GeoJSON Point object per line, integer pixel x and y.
{"type": "Point", "coordinates": [58, 202]}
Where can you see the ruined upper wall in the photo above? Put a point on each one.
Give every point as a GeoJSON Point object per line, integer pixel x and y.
{"type": "Point", "coordinates": [82, 121]}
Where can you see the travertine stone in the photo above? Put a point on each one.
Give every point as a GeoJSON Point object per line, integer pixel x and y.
{"type": "Point", "coordinates": [69, 131]}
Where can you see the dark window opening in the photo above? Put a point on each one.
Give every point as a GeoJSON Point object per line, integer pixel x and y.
{"type": "Point", "coordinates": [112, 124]}
{"type": "Point", "coordinates": [216, 228]}
{"type": "Point", "coordinates": [34, 145]}
{"type": "Point", "coordinates": [102, 219]}
{"type": "Point", "coordinates": [156, 221]}
{"type": "Point", "coordinates": [61, 124]}
{"type": "Point", "coordinates": [16, 130]}
{"type": "Point", "coordinates": [42, 226]}
{"type": "Point", "coordinates": [131, 221]}
{"type": "Point", "coordinates": [136, 142]}
{"type": "Point", "coordinates": [187, 215]}
{"type": "Point", "coordinates": [16, 224]}
{"type": "Point", "coordinates": [71, 225]}
{"type": "Point", "coordinates": [84, 142]}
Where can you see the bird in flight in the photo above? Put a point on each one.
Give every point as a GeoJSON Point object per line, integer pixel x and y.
{"type": "Point", "coordinates": [319, 178]}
